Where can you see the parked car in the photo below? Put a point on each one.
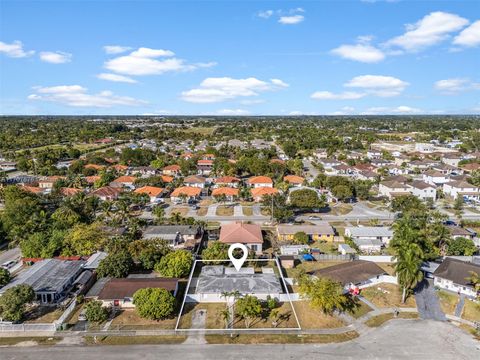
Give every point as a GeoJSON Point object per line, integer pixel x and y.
{"type": "Point", "coordinates": [9, 264]}
{"type": "Point", "coordinates": [83, 315]}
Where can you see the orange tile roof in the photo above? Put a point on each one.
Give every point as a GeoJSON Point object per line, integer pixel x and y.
{"type": "Point", "coordinates": [92, 179]}
{"type": "Point", "coordinates": [107, 191]}
{"type": "Point", "coordinates": [226, 180]}
{"type": "Point", "coordinates": [125, 179]}
{"type": "Point", "coordinates": [260, 180]}
{"type": "Point", "coordinates": [69, 191]}
{"type": "Point", "coordinates": [241, 233]}
{"type": "Point", "coordinates": [149, 190]}
{"type": "Point", "coordinates": [32, 189]}
{"type": "Point", "coordinates": [186, 190]}
{"type": "Point", "coordinates": [262, 191]}
{"type": "Point", "coordinates": [166, 178]}
{"type": "Point", "coordinates": [294, 179]}
{"type": "Point", "coordinates": [277, 161]}
{"type": "Point", "coordinates": [119, 167]}
{"type": "Point", "coordinates": [205, 162]}
{"type": "Point", "coordinates": [94, 166]}
{"type": "Point", "coordinates": [172, 168]}
{"type": "Point", "coordinates": [227, 191]}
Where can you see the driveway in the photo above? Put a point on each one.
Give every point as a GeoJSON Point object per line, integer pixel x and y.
{"type": "Point", "coordinates": [428, 304]}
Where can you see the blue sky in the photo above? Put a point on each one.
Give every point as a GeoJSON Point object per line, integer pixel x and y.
{"type": "Point", "coordinates": [239, 57]}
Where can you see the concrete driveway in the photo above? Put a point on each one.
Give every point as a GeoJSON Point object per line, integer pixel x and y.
{"type": "Point", "coordinates": [428, 305]}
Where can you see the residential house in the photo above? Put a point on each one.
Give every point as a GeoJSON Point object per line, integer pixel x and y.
{"type": "Point", "coordinates": [95, 167]}
{"type": "Point", "coordinates": [230, 193]}
{"type": "Point", "coordinates": [435, 177]}
{"type": "Point", "coordinates": [67, 191]}
{"type": "Point", "coordinates": [171, 170]}
{"type": "Point", "coordinates": [260, 182]}
{"type": "Point", "coordinates": [294, 180]}
{"type": "Point", "coordinates": [423, 190]}
{"type": "Point", "coordinates": [249, 235]}
{"type": "Point", "coordinates": [470, 167]}
{"type": "Point", "coordinates": [462, 188]}
{"type": "Point", "coordinates": [382, 233]}
{"type": "Point", "coordinates": [49, 181]}
{"type": "Point", "coordinates": [143, 171]}
{"type": "Point", "coordinates": [204, 166]}
{"type": "Point", "coordinates": [343, 170]}
{"type": "Point", "coordinates": [458, 231]}
{"type": "Point", "coordinates": [452, 159]}
{"type": "Point", "coordinates": [107, 193]}
{"type": "Point", "coordinates": [346, 249]}
{"type": "Point", "coordinates": [390, 189]}
{"type": "Point", "coordinates": [228, 181]}
{"type": "Point", "coordinates": [124, 182]}
{"type": "Point", "coordinates": [8, 166]}
{"type": "Point", "coordinates": [178, 236]}
{"type": "Point", "coordinates": [259, 192]}
{"type": "Point", "coordinates": [195, 181]}
{"type": "Point", "coordinates": [185, 193]}
{"type": "Point", "coordinates": [373, 154]}
{"type": "Point", "coordinates": [453, 275]}
{"type": "Point", "coordinates": [154, 193]}
{"type": "Point", "coordinates": [367, 175]}
{"type": "Point", "coordinates": [118, 293]}
{"type": "Point", "coordinates": [323, 232]}
{"type": "Point", "coordinates": [92, 179]}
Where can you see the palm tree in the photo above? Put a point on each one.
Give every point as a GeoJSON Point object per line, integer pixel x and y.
{"type": "Point", "coordinates": [407, 267]}
{"type": "Point", "coordinates": [225, 313]}
{"type": "Point", "coordinates": [474, 279]}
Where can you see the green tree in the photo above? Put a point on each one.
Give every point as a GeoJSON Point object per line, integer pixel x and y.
{"type": "Point", "coordinates": [474, 279]}
{"type": "Point", "coordinates": [117, 264]}
{"type": "Point", "coordinates": [84, 239]}
{"type": "Point", "coordinates": [153, 303]}
{"type": "Point", "coordinates": [4, 277]}
{"type": "Point", "coordinates": [405, 203]}
{"type": "Point", "coordinates": [462, 247]}
{"type": "Point", "coordinates": [215, 251]}
{"type": "Point", "coordinates": [306, 199]}
{"type": "Point", "coordinates": [408, 259]}
{"type": "Point", "coordinates": [300, 237]}
{"type": "Point", "coordinates": [14, 300]}
{"type": "Point", "coordinates": [281, 211]}
{"type": "Point", "coordinates": [95, 312]}
{"type": "Point", "coordinates": [149, 252]}
{"type": "Point", "coordinates": [248, 308]}
{"type": "Point", "coordinates": [342, 192]}
{"type": "Point", "coordinates": [175, 264]}
{"type": "Point", "coordinates": [42, 244]}
{"type": "Point", "coordinates": [323, 294]}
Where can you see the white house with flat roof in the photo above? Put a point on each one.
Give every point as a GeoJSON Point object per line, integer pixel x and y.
{"type": "Point", "coordinates": [382, 233]}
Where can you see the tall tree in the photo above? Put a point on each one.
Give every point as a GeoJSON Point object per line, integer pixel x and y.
{"type": "Point", "coordinates": [408, 259]}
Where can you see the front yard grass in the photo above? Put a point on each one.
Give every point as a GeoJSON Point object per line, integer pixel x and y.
{"type": "Point", "coordinates": [471, 310]}
{"type": "Point", "coordinates": [286, 320]}
{"type": "Point", "coordinates": [43, 314]}
{"type": "Point", "coordinates": [310, 318]}
{"type": "Point", "coordinates": [388, 267]}
{"type": "Point", "coordinates": [11, 341]}
{"type": "Point", "coordinates": [387, 295]}
{"type": "Point", "coordinates": [381, 319]}
{"type": "Point", "coordinates": [361, 310]}
{"type": "Point", "coordinates": [202, 211]}
{"type": "Point", "coordinates": [341, 209]}
{"type": "Point", "coordinates": [224, 210]}
{"type": "Point", "coordinates": [134, 340]}
{"type": "Point", "coordinates": [448, 301]}
{"type": "Point", "coordinates": [214, 318]}
{"type": "Point", "coordinates": [247, 210]}
{"type": "Point", "coordinates": [182, 210]}
{"type": "Point", "coordinates": [129, 319]}
{"type": "Point", "coordinates": [281, 338]}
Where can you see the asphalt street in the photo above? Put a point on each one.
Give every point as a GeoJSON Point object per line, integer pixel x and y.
{"type": "Point", "coordinates": [399, 339]}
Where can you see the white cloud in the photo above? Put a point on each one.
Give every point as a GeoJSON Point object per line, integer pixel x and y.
{"type": "Point", "coordinates": [265, 14]}
{"type": "Point", "coordinates": [399, 110]}
{"type": "Point", "coordinates": [143, 61]}
{"type": "Point", "coordinates": [77, 96]}
{"type": "Point", "coordinates": [233, 112]}
{"type": "Point", "coordinates": [360, 52]}
{"type": "Point", "coordinates": [469, 37]}
{"type": "Point", "coordinates": [378, 85]}
{"type": "Point", "coordinates": [327, 95]}
{"type": "Point", "coordinates": [291, 19]}
{"type": "Point", "coordinates": [116, 49]}
{"type": "Point", "coordinates": [430, 30]}
{"type": "Point", "coordinates": [15, 50]}
{"type": "Point", "coordinates": [252, 101]}
{"type": "Point", "coordinates": [55, 57]}
{"type": "Point", "coordinates": [116, 78]}
{"type": "Point", "coordinates": [212, 90]}
{"type": "Point", "coordinates": [455, 85]}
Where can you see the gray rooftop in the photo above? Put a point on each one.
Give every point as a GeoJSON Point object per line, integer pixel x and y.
{"type": "Point", "coordinates": [171, 229]}
{"type": "Point", "coordinates": [214, 280]}
{"type": "Point", "coordinates": [369, 231]}
{"type": "Point", "coordinates": [50, 275]}
{"type": "Point", "coordinates": [367, 242]}
{"type": "Point", "coordinates": [94, 260]}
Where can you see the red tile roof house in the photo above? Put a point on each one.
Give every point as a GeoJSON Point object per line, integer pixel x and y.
{"type": "Point", "coordinates": [49, 181]}
{"type": "Point", "coordinates": [154, 193]}
{"type": "Point", "coordinates": [119, 293]}
{"type": "Point", "coordinates": [204, 167]}
{"type": "Point", "coordinates": [260, 181]}
{"type": "Point", "coordinates": [294, 180]}
{"type": "Point", "coordinates": [249, 235]}
{"type": "Point", "coordinates": [195, 181]}
{"type": "Point", "coordinates": [259, 192]}
{"type": "Point", "coordinates": [230, 193]}
{"type": "Point", "coordinates": [66, 191]}
{"type": "Point", "coordinates": [228, 181]}
{"type": "Point", "coordinates": [172, 170]}
{"type": "Point", "coordinates": [185, 194]}
{"type": "Point", "coordinates": [124, 182]}
{"type": "Point", "coordinates": [107, 193]}
{"type": "Point", "coordinates": [91, 179]}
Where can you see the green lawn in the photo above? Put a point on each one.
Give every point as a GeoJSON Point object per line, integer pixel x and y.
{"type": "Point", "coordinates": [281, 338]}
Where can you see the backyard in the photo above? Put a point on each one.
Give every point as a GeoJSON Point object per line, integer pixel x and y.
{"type": "Point", "coordinates": [387, 295]}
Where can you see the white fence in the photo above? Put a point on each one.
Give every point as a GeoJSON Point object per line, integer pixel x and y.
{"type": "Point", "coordinates": [377, 258]}
{"type": "Point", "coordinates": [27, 327]}
{"type": "Point", "coordinates": [381, 279]}
{"type": "Point", "coordinates": [70, 308]}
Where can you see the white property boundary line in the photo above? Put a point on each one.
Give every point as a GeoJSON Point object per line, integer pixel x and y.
{"type": "Point", "coordinates": [240, 329]}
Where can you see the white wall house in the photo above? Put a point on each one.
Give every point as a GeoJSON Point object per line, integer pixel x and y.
{"type": "Point", "coordinates": [453, 275]}
{"type": "Point", "coordinates": [462, 188]}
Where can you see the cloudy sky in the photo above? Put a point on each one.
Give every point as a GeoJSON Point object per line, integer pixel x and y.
{"type": "Point", "coordinates": [239, 57]}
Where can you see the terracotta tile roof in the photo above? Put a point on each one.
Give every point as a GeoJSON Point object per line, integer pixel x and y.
{"type": "Point", "coordinates": [118, 289]}
{"type": "Point", "coordinates": [261, 191]}
{"type": "Point", "coordinates": [125, 179]}
{"type": "Point", "coordinates": [149, 190]}
{"type": "Point", "coordinates": [69, 191]}
{"type": "Point", "coordinates": [277, 161]}
{"type": "Point", "coordinates": [172, 168]}
{"type": "Point", "coordinates": [241, 233]}
{"type": "Point", "coordinates": [260, 180]}
{"type": "Point", "coordinates": [32, 189]}
{"type": "Point", "coordinates": [166, 178]}
{"type": "Point", "coordinates": [227, 191]}
{"type": "Point", "coordinates": [94, 166]}
{"type": "Point", "coordinates": [195, 179]}
{"type": "Point", "coordinates": [226, 180]}
{"type": "Point", "coordinates": [186, 190]}
{"type": "Point", "coordinates": [205, 162]}
{"type": "Point", "coordinates": [92, 179]}
{"type": "Point", "coordinates": [294, 179]}
{"type": "Point", "coordinates": [107, 191]}
{"type": "Point", "coordinates": [119, 167]}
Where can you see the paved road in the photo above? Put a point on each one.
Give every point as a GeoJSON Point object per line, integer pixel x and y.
{"type": "Point", "coordinates": [399, 339]}
{"type": "Point", "coordinates": [427, 301]}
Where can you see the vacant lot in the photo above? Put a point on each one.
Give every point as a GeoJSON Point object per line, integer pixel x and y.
{"type": "Point", "coordinates": [313, 318]}
{"type": "Point", "coordinates": [387, 295]}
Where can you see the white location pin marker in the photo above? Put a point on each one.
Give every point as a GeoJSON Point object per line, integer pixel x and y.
{"type": "Point", "coordinates": [238, 263]}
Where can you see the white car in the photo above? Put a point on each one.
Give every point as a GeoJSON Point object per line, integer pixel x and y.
{"type": "Point", "coordinates": [9, 264]}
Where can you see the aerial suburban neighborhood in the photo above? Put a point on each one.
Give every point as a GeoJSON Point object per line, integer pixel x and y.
{"type": "Point", "coordinates": [239, 179]}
